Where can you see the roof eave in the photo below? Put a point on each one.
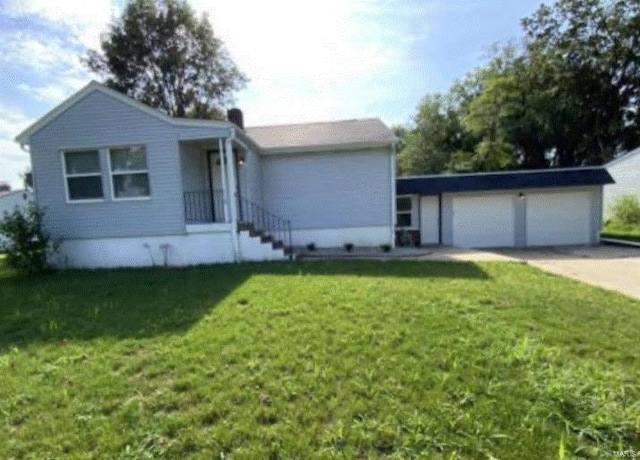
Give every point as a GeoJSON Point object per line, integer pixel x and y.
{"type": "Point", "coordinates": [623, 158]}
{"type": "Point", "coordinates": [326, 147]}
{"type": "Point", "coordinates": [25, 136]}
{"type": "Point", "coordinates": [242, 136]}
{"type": "Point", "coordinates": [452, 183]}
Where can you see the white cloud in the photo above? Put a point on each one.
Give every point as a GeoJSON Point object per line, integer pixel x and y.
{"type": "Point", "coordinates": [84, 20]}
{"type": "Point", "coordinates": [38, 54]}
{"type": "Point", "coordinates": [52, 67]}
{"type": "Point", "coordinates": [12, 120]}
{"type": "Point", "coordinates": [13, 161]}
{"type": "Point", "coordinates": [306, 60]}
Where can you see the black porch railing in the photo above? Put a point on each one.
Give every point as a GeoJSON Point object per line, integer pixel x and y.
{"type": "Point", "coordinates": [207, 206]}
{"type": "Point", "coordinates": [204, 206]}
{"type": "Point", "coordinates": [254, 217]}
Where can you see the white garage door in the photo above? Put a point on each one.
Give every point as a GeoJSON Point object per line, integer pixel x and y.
{"type": "Point", "coordinates": [558, 218]}
{"type": "Point", "coordinates": [483, 221]}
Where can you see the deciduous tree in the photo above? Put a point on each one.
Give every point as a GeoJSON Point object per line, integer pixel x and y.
{"type": "Point", "coordinates": [160, 53]}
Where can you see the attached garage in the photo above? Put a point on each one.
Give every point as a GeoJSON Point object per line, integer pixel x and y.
{"type": "Point", "coordinates": [507, 209]}
{"type": "Point", "coordinates": [561, 218]}
{"type": "Point", "coordinates": [480, 221]}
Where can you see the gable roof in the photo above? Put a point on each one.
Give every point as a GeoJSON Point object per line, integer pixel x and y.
{"type": "Point", "coordinates": [305, 137]}
{"type": "Point", "coordinates": [24, 137]}
{"type": "Point", "coordinates": [368, 132]}
{"type": "Point", "coordinates": [623, 158]}
{"type": "Point", "coordinates": [543, 178]}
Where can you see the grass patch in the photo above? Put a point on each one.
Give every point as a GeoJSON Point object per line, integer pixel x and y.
{"type": "Point", "coordinates": [621, 232]}
{"type": "Point", "coordinates": [354, 359]}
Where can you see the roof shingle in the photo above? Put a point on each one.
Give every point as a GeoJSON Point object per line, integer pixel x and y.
{"type": "Point", "coordinates": [370, 131]}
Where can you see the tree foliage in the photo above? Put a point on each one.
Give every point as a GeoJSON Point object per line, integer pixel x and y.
{"type": "Point", "coordinates": [161, 54]}
{"type": "Point", "coordinates": [437, 140]}
{"type": "Point", "coordinates": [567, 95]}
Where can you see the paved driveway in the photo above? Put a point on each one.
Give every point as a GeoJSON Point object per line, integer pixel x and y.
{"type": "Point", "coordinates": [611, 267]}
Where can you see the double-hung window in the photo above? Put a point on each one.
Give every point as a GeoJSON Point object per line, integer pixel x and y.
{"type": "Point", "coordinates": [129, 173]}
{"type": "Point", "coordinates": [83, 175]}
{"type": "Point", "coordinates": [404, 209]}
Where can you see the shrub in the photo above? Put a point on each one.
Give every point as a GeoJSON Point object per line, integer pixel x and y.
{"type": "Point", "coordinates": [27, 244]}
{"type": "Point", "coordinates": [626, 210]}
{"type": "Point", "coordinates": [348, 247]}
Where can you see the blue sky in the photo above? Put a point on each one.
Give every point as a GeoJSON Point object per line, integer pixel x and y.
{"type": "Point", "coordinates": [306, 61]}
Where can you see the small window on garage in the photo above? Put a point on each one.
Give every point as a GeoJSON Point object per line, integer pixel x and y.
{"type": "Point", "coordinates": [404, 210]}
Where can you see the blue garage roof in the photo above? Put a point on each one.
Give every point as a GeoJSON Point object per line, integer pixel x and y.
{"type": "Point", "coordinates": [504, 180]}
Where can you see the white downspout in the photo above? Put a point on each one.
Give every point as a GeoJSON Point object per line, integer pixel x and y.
{"type": "Point", "coordinates": [233, 205]}
{"type": "Point", "coordinates": [223, 173]}
{"type": "Point", "coordinates": [26, 149]}
{"type": "Point", "coordinates": [393, 194]}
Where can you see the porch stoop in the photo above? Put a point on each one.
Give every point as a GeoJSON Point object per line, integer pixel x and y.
{"type": "Point", "coordinates": [256, 245]}
{"type": "Point", "coordinates": [265, 227]}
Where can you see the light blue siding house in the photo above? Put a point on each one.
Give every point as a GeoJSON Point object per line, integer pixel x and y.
{"type": "Point", "coordinates": [125, 185]}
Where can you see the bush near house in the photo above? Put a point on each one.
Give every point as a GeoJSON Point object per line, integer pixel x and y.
{"type": "Point", "coordinates": [351, 359]}
{"type": "Point", "coordinates": [27, 245]}
{"type": "Point", "coordinates": [626, 210]}
{"type": "Point", "coordinates": [625, 219]}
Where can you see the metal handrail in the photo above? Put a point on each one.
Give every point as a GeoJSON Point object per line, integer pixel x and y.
{"type": "Point", "coordinates": [204, 206]}
{"type": "Point", "coordinates": [207, 206]}
{"type": "Point", "coordinates": [266, 222]}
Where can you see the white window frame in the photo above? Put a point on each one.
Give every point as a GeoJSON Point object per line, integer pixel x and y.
{"type": "Point", "coordinates": [411, 212]}
{"type": "Point", "coordinates": [133, 171]}
{"type": "Point", "coordinates": [66, 176]}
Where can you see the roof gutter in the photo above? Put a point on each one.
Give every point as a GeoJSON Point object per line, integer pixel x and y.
{"type": "Point", "coordinates": [326, 147]}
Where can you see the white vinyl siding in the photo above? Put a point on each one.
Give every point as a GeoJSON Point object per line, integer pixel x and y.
{"type": "Point", "coordinates": [129, 173]}
{"type": "Point", "coordinates": [99, 121]}
{"type": "Point", "coordinates": [483, 221]}
{"type": "Point", "coordinates": [333, 190]}
{"type": "Point", "coordinates": [626, 173]}
{"type": "Point", "coordinates": [83, 175]}
{"type": "Point", "coordinates": [558, 218]}
{"type": "Point", "coordinates": [429, 220]}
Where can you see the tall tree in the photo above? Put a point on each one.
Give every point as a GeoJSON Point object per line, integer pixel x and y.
{"type": "Point", "coordinates": [567, 95]}
{"type": "Point", "coordinates": [585, 55]}
{"type": "Point", "coordinates": [507, 114]}
{"type": "Point", "coordinates": [436, 141]}
{"type": "Point", "coordinates": [160, 53]}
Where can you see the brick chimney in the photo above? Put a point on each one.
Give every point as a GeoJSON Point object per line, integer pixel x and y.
{"type": "Point", "coordinates": [235, 116]}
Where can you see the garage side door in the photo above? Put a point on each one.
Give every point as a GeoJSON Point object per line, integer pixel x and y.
{"type": "Point", "coordinates": [484, 221]}
{"type": "Point", "coordinates": [558, 218]}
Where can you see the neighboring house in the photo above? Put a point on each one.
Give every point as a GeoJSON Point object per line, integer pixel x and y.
{"type": "Point", "coordinates": [10, 201]}
{"type": "Point", "coordinates": [125, 185]}
{"type": "Point", "coordinates": [504, 209]}
{"type": "Point", "coordinates": [625, 170]}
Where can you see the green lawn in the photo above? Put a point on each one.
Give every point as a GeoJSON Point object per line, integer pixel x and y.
{"type": "Point", "coordinates": [621, 232]}
{"type": "Point", "coordinates": [357, 359]}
